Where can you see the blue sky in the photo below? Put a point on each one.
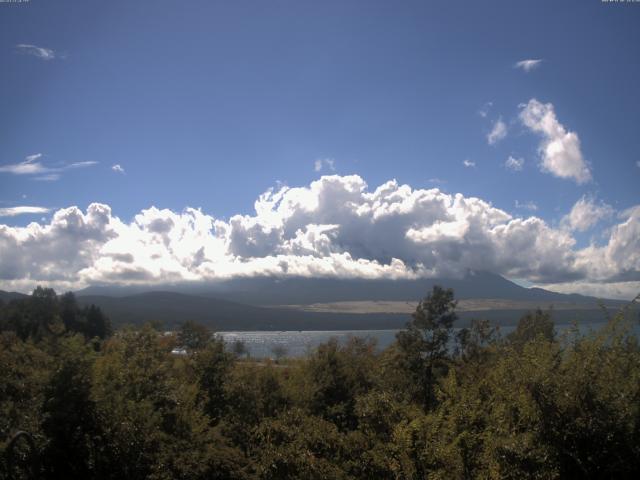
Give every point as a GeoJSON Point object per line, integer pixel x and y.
{"type": "Point", "coordinates": [208, 104]}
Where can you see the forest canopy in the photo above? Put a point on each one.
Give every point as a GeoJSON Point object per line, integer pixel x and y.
{"type": "Point", "coordinates": [438, 403]}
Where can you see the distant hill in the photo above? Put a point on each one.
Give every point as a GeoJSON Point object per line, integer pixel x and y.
{"type": "Point", "coordinates": [261, 291]}
{"type": "Point", "coordinates": [326, 304]}
{"type": "Point", "coordinates": [271, 291]}
{"type": "Point", "coordinates": [171, 309]}
{"type": "Point", "coordinates": [6, 297]}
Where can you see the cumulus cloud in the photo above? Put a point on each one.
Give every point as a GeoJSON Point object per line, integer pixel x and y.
{"type": "Point", "coordinates": [32, 165]}
{"type": "Point", "coordinates": [22, 210]}
{"type": "Point", "coordinates": [324, 163]}
{"type": "Point", "coordinates": [117, 168]}
{"type": "Point", "coordinates": [334, 227]}
{"type": "Point", "coordinates": [468, 163]}
{"type": "Point", "coordinates": [497, 133]}
{"type": "Point", "coordinates": [586, 213]}
{"type": "Point", "coordinates": [619, 259]}
{"type": "Point", "coordinates": [528, 65]}
{"type": "Point", "coordinates": [559, 149]}
{"type": "Point", "coordinates": [513, 163]}
{"type": "Point", "coordinates": [40, 52]}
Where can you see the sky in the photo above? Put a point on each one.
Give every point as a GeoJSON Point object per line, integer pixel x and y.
{"type": "Point", "coordinates": [164, 141]}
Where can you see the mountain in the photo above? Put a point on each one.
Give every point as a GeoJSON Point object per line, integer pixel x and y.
{"type": "Point", "coordinates": [271, 291]}
{"type": "Point", "coordinates": [327, 304]}
{"type": "Point", "coordinates": [260, 291]}
{"type": "Point", "coordinates": [170, 309]}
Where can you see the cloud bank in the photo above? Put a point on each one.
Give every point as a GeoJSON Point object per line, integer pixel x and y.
{"type": "Point", "coordinates": [335, 227]}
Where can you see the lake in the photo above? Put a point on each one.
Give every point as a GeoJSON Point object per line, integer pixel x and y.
{"type": "Point", "coordinates": [261, 344]}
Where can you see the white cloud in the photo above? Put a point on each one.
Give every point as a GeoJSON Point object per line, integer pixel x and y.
{"type": "Point", "coordinates": [616, 290]}
{"type": "Point", "coordinates": [498, 132]}
{"type": "Point", "coordinates": [528, 65]}
{"type": "Point", "coordinates": [21, 210]}
{"type": "Point", "coordinates": [322, 163]}
{"type": "Point", "coordinates": [89, 163]}
{"type": "Point", "coordinates": [49, 177]}
{"type": "Point", "coordinates": [40, 52]}
{"type": "Point", "coordinates": [531, 206]}
{"type": "Point", "coordinates": [469, 163]}
{"type": "Point", "coordinates": [586, 213]}
{"type": "Point", "coordinates": [484, 111]}
{"type": "Point", "coordinates": [513, 163]}
{"type": "Point", "coordinates": [32, 158]}
{"type": "Point", "coordinates": [559, 149]}
{"type": "Point", "coordinates": [31, 165]}
{"type": "Point", "coordinates": [117, 168]}
{"type": "Point", "coordinates": [334, 227]}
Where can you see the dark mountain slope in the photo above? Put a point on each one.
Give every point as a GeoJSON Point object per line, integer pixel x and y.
{"type": "Point", "coordinates": [280, 291]}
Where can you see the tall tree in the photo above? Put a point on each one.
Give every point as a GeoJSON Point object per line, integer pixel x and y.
{"type": "Point", "coordinates": [423, 344]}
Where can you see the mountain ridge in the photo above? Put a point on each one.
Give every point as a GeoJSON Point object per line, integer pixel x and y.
{"type": "Point", "coordinates": [319, 304]}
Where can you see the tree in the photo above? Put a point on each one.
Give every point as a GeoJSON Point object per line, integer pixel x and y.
{"type": "Point", "coordinates": [69, 417]}
{"type": "Point", "coordinates": [212, 367]}
{"type": "Point", "coordinates": [152, 424]}
{"type": "Point", "coordinates": [97, 324]}
{"type": "Point", "coordinates": [472, 343]}
{"type": "Point", "coordinates": [239, 348]}
{"type": "Point", "coordinates": [532, 325]}
{"type": "Point", "coordinates": [423, 344]}
{"type": "Point", "coordinates": [296, 445]}
{"type": "Point", "coordinates": [194, 336]}
{"type": "Point", "coordinates": [338, 375]}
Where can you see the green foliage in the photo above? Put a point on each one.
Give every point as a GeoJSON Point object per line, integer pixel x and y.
{"type": "Point", "coordinates": [45, 315]}
{"type": "Point", "coordinates": [193, 336]}
{"type": "Point", "coordinates": [254, 393]}
{"type": "Point", "coordinates": [422, 346]}
{"type": "Point", "coordinates": [297, 445]}
{"type": "Point", "coordinates": [212, 367]}
{"type": "Point", "coordinates": [150, 414]}
{"type": "Point", "coordinates": [68, 412]}
{"type": "Point", "coordinates": [532, 325]}
{"type": "Point", "coordinates": [338, 375]}
{"type": "Point", "coordinates": [24, 372]}
{"type": "Point", "coordinates": [431, 406]}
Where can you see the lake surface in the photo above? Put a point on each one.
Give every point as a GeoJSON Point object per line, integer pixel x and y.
{"type": "Point", "coordinates": [261, 344]}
